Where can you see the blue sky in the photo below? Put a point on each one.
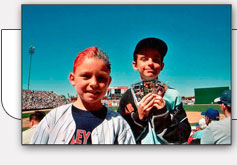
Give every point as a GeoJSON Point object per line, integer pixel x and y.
{"type": "Point", "coordinates": [198, 39]}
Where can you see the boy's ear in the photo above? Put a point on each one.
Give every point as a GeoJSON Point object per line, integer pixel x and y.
{"type": "Point", "coordinates": [32, 123]}
{"type": "Point", "coordinates": [162, 65]}
{"type": "Point", "coordinates": [72, 78]}
{"type": "Point", "coordinates": [134, 65]}
{"type": "Point", "coordinates": [110, 79]}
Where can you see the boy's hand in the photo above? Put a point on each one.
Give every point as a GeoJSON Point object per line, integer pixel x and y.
{"type": "Point", "coordinates": [145, 106]}
{"type": "Point", "coordinates": [159, 102]}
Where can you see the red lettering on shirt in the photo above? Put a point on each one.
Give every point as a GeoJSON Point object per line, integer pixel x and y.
{"type": "Point", "coordinates": [81, 137]}
{"type": "Point", "coordinates": [86, 136]}
{"type": "Point", "coordinates": [73, 140]}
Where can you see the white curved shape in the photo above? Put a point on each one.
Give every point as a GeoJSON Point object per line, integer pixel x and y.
{"type": "Point", "coordinates": [11, 72]}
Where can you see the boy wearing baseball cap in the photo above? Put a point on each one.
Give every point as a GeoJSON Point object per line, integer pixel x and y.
{"type": "Point", "coordinates": [219, 132]}
{"type": "Point", "coordinates": [158, 118]}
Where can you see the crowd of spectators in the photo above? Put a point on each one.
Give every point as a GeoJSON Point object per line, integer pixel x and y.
{"type": "Point", "coordinates": [32, 99]}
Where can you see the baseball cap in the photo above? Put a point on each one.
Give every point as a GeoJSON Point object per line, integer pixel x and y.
{"type": "Point", "coordinates": [211, 113]}
{"type": "Point", "coordinates": [151, 43]}
{"type": "Point", "coordinates": [225, 98]}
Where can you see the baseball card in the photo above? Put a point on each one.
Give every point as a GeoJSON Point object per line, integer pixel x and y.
{"type": "Point", "coordinates": [140, 89]}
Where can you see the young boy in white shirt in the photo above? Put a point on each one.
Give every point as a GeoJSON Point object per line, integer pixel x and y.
{"type": "Point", "coordinates": [86, 121]}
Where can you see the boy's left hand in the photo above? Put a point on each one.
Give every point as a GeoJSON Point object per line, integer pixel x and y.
{"type": "Point", "coordinates": [159, 102]}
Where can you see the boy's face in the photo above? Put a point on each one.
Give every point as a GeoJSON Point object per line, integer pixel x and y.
{"type": "Point", "coordinates": [148, 64]}
{"type": "Point", "coordinates": [91, 80]}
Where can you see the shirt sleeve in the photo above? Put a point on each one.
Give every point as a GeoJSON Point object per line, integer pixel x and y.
{"type": "Point", "coordinates": [126, 136]}
{"type": "Point", "coordinates": [172, 123]}
{"type": "Point", "coordinates": [179, 129]}
{"type": "Point", "coordinates": [128, 111]}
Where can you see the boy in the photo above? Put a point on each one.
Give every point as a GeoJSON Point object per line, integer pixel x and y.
{"type": "Point", "coordinates": [157, 119]}
{"type": "Point", "coordinates": [86, 121]}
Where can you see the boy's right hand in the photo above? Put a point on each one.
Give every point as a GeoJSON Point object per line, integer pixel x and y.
{"type": "Point", "coordinates": [145, 106]}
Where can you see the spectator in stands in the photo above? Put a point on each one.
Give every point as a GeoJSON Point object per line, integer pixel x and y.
{"type": "Point", "coordinates": [219, 132]}
{"type": "Point", "coordinates": [196, 137]}
{"type": "Point", "coordinates": [210, 115]}
{"type": "Point", "coordinates": [35, 118]}
{"type": "Point", "coordinates": [202, 123]}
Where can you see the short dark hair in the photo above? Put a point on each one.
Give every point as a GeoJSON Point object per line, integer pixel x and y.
{"type": "Point", "coordinates": [37, 116]}
{"type": "Point", "coordinates": [151, 43]}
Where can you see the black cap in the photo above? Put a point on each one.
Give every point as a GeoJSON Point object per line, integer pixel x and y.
{"type": "Point", "coordinates": [151, 43]}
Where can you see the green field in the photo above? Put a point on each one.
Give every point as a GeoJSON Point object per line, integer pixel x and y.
{"type": "Point", "coordinates": [26, 128]}
{"type": "Point", "coordinates": [192, 108]}
{"type": "Point", "coordinates": [201, 107]}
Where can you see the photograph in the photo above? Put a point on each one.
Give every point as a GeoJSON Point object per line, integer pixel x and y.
{"type": "Point", "coordinates": [126, 74]}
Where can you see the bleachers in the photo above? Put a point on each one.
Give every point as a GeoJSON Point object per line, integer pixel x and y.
{"type": "Point", "coordinates": [32, 99]}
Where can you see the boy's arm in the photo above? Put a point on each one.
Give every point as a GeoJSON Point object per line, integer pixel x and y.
{"type": "Point", "coordinates": [129, 112]}
{"type": "Point", "coordinates": [172, 125]}
{"type": "Point", "coordinates": [126, 135]}
{"type": "Point", "coordinates": [179, 129]}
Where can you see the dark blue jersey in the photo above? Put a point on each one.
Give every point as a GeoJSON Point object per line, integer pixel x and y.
{"type": "Point", "coordinates": [86, 121]}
